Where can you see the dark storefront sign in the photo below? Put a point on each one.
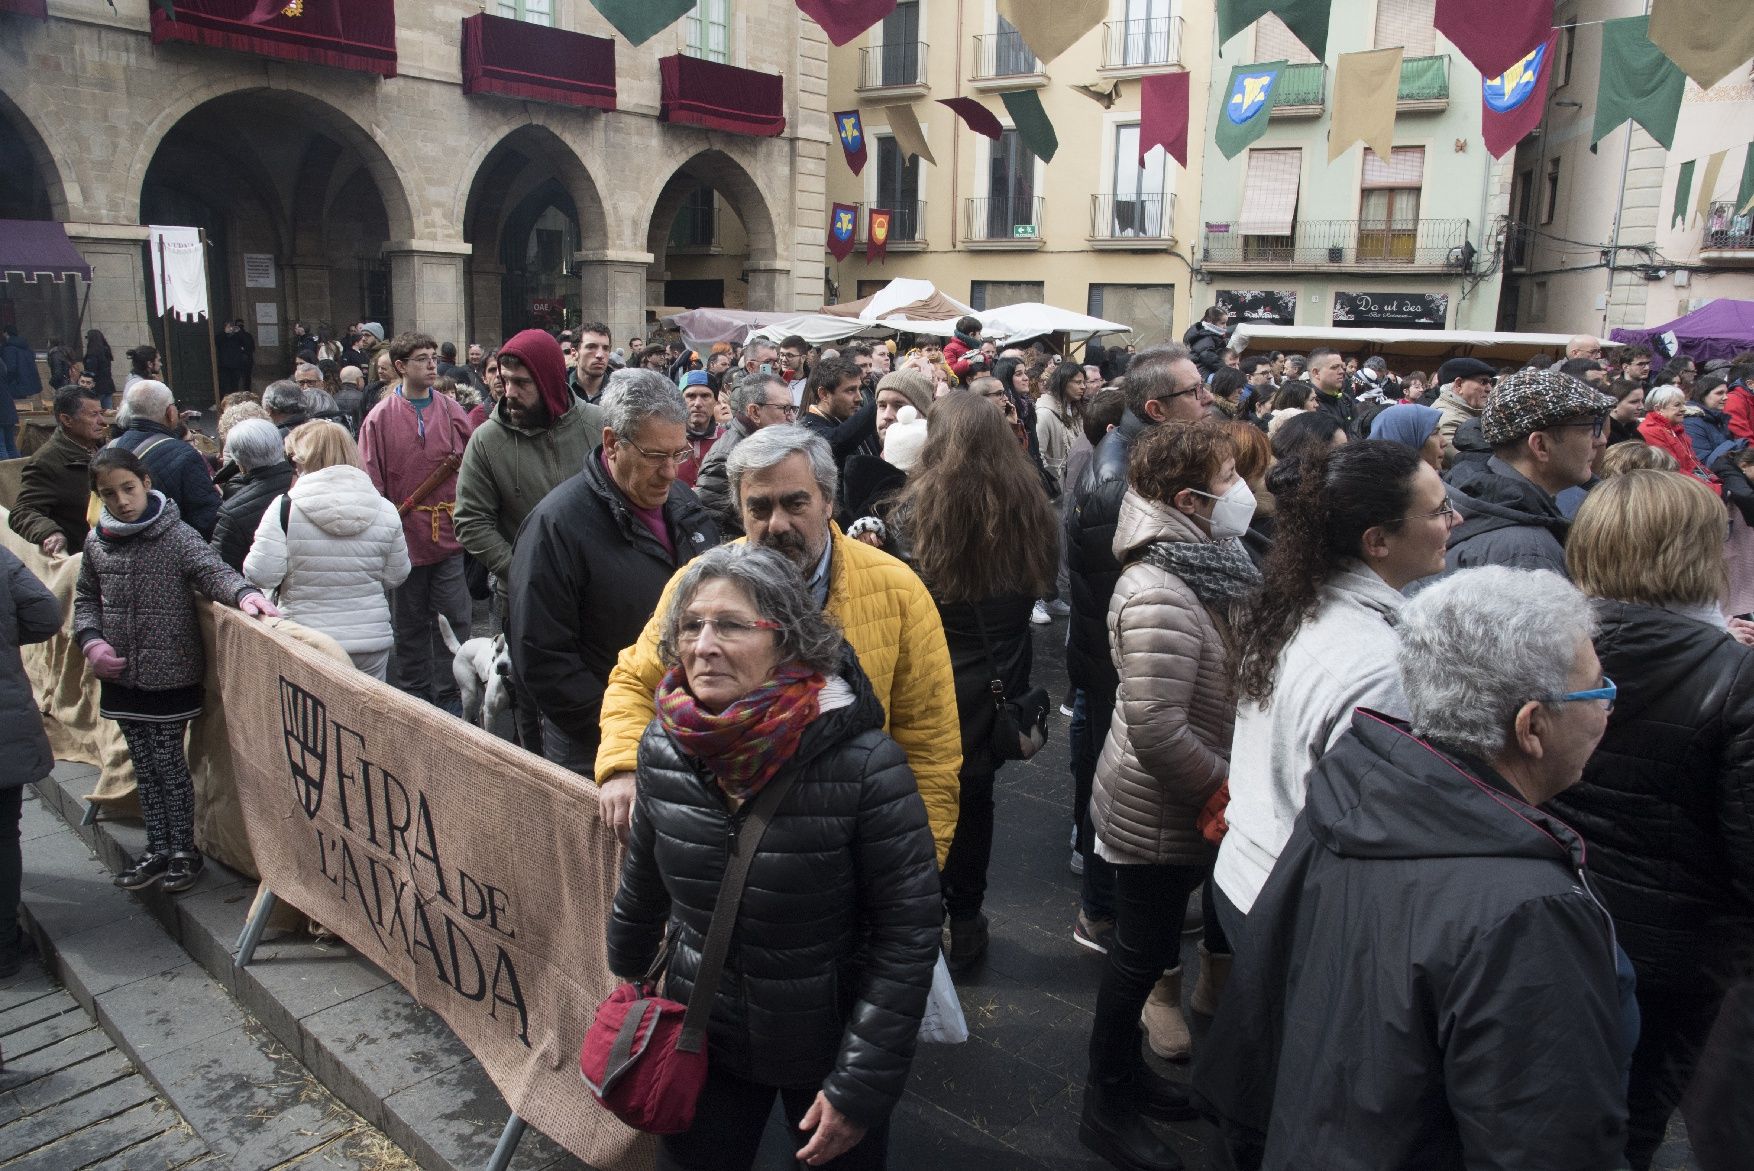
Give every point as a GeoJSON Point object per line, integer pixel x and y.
{"type": "Point", "coordinates": [1259, 306]}
{"type": "Point", "coordinates": [1392, 310]}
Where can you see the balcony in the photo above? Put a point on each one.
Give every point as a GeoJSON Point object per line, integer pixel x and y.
{"type": "Point", "coordinates": [1120, 223]}
{"type": "Point", "coordinates": [893, 70]}
{"type": "Point", "coordinates": [1729, 236]}
{"type": "Point", "coordinates": [1424, 85]}
{"type": "Point", "coordinates": [1003, 61]}
{"type": "Point", "coordinates": [1355, 245]}
{"type": "Point", "coordinates": [1133, 47]}
{"type": "Point", "coordinates": [1006, 222]}
{"type": "Point", "coordinates": [1301, 92]}
{"type": "Point", "coordinates": [907, 227]}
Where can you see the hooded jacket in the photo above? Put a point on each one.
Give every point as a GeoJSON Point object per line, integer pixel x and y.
{"type": "Point", "coordinates": [1205, 343]}
{"type": "Point", "coordinates": [1740, 409]}
{"type": "Point", "coordinates": [1090, 556]}
{"type": "Point", "coordinates": [827, 973]}
{"type": "Point", "coordinates": [341, 550]}
{"type": "Point", "coordinates": [1709, 433]}
{"type": "Point", "coordinates": [242, 511]}
{"type": "Point", "coordinates": [1506, 520]}
{"type": "Point", "coordinates": [1427, 982]}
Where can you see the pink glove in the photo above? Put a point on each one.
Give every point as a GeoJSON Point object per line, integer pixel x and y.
{"type": "Point", "coordinates": [257, 606]}
{"type": "Point", "coordinates": [104, 660]}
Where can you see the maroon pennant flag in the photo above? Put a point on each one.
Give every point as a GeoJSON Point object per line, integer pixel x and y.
{"type": "Point", "coordinates": [877, 234]}
{"type": "Point", "coordinates": [1163, 115]}
{"type": "Point", "coordinates": [843, 219]}
{"type": "Point", "coordinates": [843, 20]}
{"type": "Point", "coordinates": [1491, 34]}
{"type": "Point", "coordinates": [1512, 102]}
{"type": "Point", "coordinates": [979, 119]}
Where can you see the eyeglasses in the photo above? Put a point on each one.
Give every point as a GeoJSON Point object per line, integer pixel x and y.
{"type": "Point", "coordinates": [1446, 511]}
{"type": "Point", "coordinates": [1596, 425]}
{"type": "Point", "coordinates": [680, 456]}
{"type": "Point", "coordinates": [732, 630]}
{"type": "Point", "coordinates": [1606, 693]}
{"type": "Point", "coordinates": [791, 411]}
{"type": "Point", "coordinates": [1195, 389]}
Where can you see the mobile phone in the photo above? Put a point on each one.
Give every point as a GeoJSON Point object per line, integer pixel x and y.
{"type": "Point", "coordinates": [767, 367]}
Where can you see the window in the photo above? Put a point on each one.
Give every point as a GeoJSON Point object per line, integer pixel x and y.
{"type": "Point", "coordinates": [1010, 186]}
{"type": "Point", "coordinates": [1551, 208]}
{"type": "Point", "coordinates": [695, 222]}
{"type": "Point", "coordinates": [1011, 57]}
{"type": "Point", "coordinates": [1136, 193]}
{"type": "Point", "coordinates": [1567, 48]}
{"type": "Point", "coordinates": [992, 294]}
{"type": "Point", "coordinates": [899, 56]}
{"type": "Point", "coordinates": [1537, 302]}
{"type": "Point", "coordinates": [534, 11]}
{"type": "Point", "coordinates": [1522, 198]}
{"type": "Point", "coordinates": [898, 188]}
{"type": "Point", "coordinates": [1388, 210]}
{"type": "Point", "coordinates": [708, 26]}
{"type": "Point", "coordinates": [1269, 204]}
{"type": "Point", "coordinates": [1274, 41]}
{"type": "Point", "coordinates": [1145, 309]}
{"type": "Point", "coordinates": [1146, 33]}
{"type": "Point", "coordinates": [1407, 23]}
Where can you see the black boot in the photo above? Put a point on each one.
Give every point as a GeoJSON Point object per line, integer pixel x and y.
{"type": "Point", "coordinates": [185, 867]}
{"type": "Point", "coordinates": [968, 943]}
{"type": "Point", "coordinates": [145, 872]}
{"type": "Point", "coordinates": [1164, 1099]}
{"type": "Point", "coordinates": [1113, 1127]}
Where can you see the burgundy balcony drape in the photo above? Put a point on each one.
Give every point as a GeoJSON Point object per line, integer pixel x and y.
{"type": "Point", "coordinates": [518, 59]}
{"type": "Point", "coordinates": [722, 97]}
{"type": "Point", "coordinates": [345, 34]}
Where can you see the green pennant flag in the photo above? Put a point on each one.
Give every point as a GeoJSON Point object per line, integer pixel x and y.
{"type": "Point", "coordinates": [1745, 193]}
{"type": "Point", "coordinates": [1307, 19]}
{"type": "Point", "coordinates": [1683, 188]}
{"type": "Point", "coordinates": [1637, 82]}
{"type": "Point", "coordinates": [640, 20]}
{"type": "Point", "coordinates": [1248, 102]}
{"type": "Point", "coordinates": [1031, 121]}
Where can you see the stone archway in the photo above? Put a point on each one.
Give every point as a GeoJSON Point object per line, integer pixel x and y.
{"type": "Point", "coordinates": [712, 225]}
{"type": "Point", "coordinates": [44, 311]}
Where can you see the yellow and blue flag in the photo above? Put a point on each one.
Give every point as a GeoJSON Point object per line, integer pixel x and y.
{"type": "Point", "coordinates": [852, 138]}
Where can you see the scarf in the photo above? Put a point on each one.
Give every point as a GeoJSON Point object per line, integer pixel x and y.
{"type": "Point", "coordinates": [753, 738]}
{"type": "Point", "coordinates": [111, 529]}
{"type": "Point", "coordinates": [1220, 573]}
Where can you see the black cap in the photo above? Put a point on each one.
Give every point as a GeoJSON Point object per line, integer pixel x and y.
{"type": "Point", "coordinates": [1464, 368]}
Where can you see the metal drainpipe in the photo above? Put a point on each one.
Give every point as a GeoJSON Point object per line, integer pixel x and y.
{"type": "Point", "coordinates": [1619, 210]}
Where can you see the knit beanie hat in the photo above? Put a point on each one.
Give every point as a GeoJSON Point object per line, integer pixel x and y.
{"type": "Point", "coordinates": [541, 356]}
{"type": "Point", "coordinates": [905, 439]}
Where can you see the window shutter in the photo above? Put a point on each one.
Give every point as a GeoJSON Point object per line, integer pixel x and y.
{"type": "Point", "coordinates": [1269, 193]}
{"type": "Point", "coordinates": [1274, 41]}
{"type": "Point", "coordinates": [1407, 23]}
{"type": "Point", "coordinates": [977, 295]}
{"type": "Point", "coordinates": [1094, 304]}
{"type": "Point", "coordinates": [1405, 167]}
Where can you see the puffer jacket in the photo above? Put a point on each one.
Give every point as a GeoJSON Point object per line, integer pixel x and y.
{"type": "Point", "coordinates": [1709, 433]}
{"type": "Point", "coordinates": [892, 623]}
{"type": "Point", "coordinates": [1168, 745]}
{"type": "Point", "coordinates": [1054, 432]}
{"type": "Point", "coordinates": [1506, 520]}
{"type": "Point", "coordinates": [242, 511]}
{"type": "Point", "coordinates": [1667, 801]}
{"type": "Point", "coordinates": [28, 613]}
{"type": "Point", "coordinates": [1739, 407]}
{"type": "Point", "coordinates": [1205, 343]}
{"type": "Point", "coordinates": [177, 470]}
{"type": "Point", "coordinates": [827, 973]}
{"type": "Point", "coordinates": [1090, 556]}
{"type": "Point", "coordinates": [133, 593]}
{"type": "Point", "coordinates": [507, 470]}
{"type": "Point", "coordinates": [341, 550]}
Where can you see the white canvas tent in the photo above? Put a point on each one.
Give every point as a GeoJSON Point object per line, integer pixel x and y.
{"type": "Point", "coordinates": [1408, 343]}
{"type": "Point", "coordinates": [899, 307]}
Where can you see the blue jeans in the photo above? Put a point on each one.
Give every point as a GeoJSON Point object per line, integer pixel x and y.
{"type": "Point", "coordinates": [1089, 726]}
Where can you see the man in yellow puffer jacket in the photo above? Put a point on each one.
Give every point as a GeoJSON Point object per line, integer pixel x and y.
{"type": "Point", "coordinates": [783, 480]}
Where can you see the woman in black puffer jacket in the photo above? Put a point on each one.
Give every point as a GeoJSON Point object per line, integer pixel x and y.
{"type": "Point", "coordinates": [828, 969]}
{"type": "Point", "coordinates": [1667, 800]}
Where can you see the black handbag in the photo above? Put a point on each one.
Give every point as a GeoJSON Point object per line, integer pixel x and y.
{"type": "Point", "coordinates": [1020, 726]}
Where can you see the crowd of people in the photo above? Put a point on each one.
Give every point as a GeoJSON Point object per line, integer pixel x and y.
{"type": "Point", "coordinates": [1360, 660]}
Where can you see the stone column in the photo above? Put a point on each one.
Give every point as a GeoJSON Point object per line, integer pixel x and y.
{"type": "Point", "coordinates": [426, 288]}
{"type": "Point", "coordinates": [770, 287]}
{"type": "Point", "coordinates": [118, 305]}
{"type": "Point", "coordinates": [487, 324]}
{"type": "Point", "coordinates": [614, 291]}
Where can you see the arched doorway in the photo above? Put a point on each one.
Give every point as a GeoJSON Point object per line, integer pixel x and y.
{"type": "Point", "coordinates": [712, 239]}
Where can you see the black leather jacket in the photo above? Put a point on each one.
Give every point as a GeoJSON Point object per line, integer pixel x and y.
{"type": "Point", "coordinates": [1090, 558]}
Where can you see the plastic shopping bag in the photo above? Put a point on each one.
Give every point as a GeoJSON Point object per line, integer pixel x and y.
{"type": "Point", "coordinates": [943, 1023]}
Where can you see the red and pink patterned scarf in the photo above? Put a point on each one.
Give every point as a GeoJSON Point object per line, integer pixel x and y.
{"type": "Point", "coordinates": [752, 739]}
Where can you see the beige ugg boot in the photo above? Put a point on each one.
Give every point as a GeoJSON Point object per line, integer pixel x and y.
{"type": "Point", "coordinates": [1165, 1029]}
{"type": "Point", "coordinates": [1214, 971]}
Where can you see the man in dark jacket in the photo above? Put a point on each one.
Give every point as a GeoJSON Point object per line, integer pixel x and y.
{"type": "Point", "coordinates": [1327, 373]}
{"type": "Point", "coordinates": [54, 493]}
{"type": "Point", "coordinates": [758, 400]}
{"type": "Point", "coordinates": [1206, 338]}
{"type": "Point", "coordinates": [1429, 982]}
{"type": "Point", "coordinates": [1162, 384]}
{"type": "Point", "coordinates": [235, 352]}
{"type": "Point", "coordinates": [837, 408]}
{"type": "Point", "coordinates": [592, 559]}
{"type": "Point", "coordinates": [177, 468]}
{"type": "Point", "coordinates": [18, 379]}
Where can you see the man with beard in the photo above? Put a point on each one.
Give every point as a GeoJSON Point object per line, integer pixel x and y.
{"type": "Point", "coordinates": [783, 479]}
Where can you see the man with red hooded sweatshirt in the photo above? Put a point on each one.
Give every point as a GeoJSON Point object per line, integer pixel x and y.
{"type": "Point", "coordinates": [1740, 405]}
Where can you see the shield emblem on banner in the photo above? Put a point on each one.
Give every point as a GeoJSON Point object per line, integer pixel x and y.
{"type": "Point", "coordinates": [880, 229]}
{"type": "Point", "coordinates": [843, 224]}
{"type": "Point", "coordinates": [1512, 88]}
{"type": "Point", "coordinates": [1250, 93]}
{"type": "Point", "coordinates": [304, 724]}
{"type": "Point", "coordinates": [852, 135]}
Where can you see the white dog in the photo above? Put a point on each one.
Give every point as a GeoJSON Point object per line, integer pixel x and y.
{"type": "Point", "coordinates": [482, 668]}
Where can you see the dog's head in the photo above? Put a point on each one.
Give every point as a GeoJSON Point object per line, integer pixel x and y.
{"type": "Point", "coordinates": [499, 681]}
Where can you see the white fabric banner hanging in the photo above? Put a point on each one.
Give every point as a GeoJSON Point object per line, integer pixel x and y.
{"type": "Point", "coordinates": [179, 272]}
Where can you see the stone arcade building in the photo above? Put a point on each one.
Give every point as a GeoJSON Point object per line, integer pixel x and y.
{"type": "Point", "coordinates": [452, 166]}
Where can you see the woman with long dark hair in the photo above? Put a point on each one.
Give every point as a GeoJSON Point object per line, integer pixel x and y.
{"type": "Point", "coordinates": [979, 531]}
{"type": "Point", "coordinates": [99, 363]}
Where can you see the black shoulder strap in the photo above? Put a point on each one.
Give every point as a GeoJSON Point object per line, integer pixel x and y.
{"type": "Point", "coordinates": [718, 935]}
{"type": "Point", "coordinates": [996, 685]}
{"type": "Point", "coordinates": [285, 512]}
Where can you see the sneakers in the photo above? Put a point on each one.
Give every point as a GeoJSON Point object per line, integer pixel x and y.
{"type": "Point", "coordinates": [1039, 615]}
{"type": "Point", "coordinates": [183, 871]}
{"type": "Point", "coordinates": [148, 870]}
{"type": "Point", "coordinates": [1095, 934]}
{"type": "Point", "coordinates": [1059, 608]}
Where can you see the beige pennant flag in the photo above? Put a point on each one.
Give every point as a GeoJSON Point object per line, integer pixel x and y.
{"type": "Point", "coordinates": [905, 128]}
{"type": "Point", "coordinates": [1702, 206]}
{"type": "Point", "coordinates": [1707, 39]}
{"type": "Point", "coordinates": [1050, 27]}
{"type": "Point", "coordinates": [1365, 85]}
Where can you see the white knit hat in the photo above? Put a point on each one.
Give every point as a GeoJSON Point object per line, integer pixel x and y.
{"type": "Point", "coordinates": [904, 440]}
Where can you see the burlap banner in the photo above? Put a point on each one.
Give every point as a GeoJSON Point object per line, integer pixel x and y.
{"type": "Point", "coordinates": [477, 876]}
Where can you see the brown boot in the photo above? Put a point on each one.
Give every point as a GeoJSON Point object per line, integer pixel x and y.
{"type": "Point", "coordinates": [1165, 1029]}
{"type": "Point", "coordinates": [1214, 971]}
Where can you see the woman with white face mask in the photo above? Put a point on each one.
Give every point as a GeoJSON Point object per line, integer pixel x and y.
{"type": "Point", "coordinates": [1166, 754]}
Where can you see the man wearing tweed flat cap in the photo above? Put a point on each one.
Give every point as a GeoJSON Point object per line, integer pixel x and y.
{"type": "Point", "coordinates": [1545, 429]}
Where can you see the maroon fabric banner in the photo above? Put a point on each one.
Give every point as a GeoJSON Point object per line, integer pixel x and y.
{"type": "Point", "coordinates": [843, 222]}
{"type": "Point", "coordinates": [1513, 101]}
{"type": "Point", "coordinates": [36, 8]}
{"type": "Point", "coordinates": [722, 97]}
{"type": "Point", "coordinates": [978, 118]}
{"type": "Point", "coordinates": [1491, 34]}
{"type": "Point", "coordinates": [850, 128]}
{"type": "Point", "coordinates": [517, 59]}
{"type": "Point", "coordinates": [877, 234]}
{"type": "Point", "coordinates": [1163, 115]}
{"type": "Point", "coordinates": [843, 20]}
{"type": "Point", "coordinates": [358, 35]}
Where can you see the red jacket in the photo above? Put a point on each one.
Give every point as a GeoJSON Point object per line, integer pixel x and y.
{"type": "Point", "coordinates": [1740, 408]}
{"type": "Point", "coordinates": [956, 353]}
{"type": "Point", "coordinates": [1672, 438]}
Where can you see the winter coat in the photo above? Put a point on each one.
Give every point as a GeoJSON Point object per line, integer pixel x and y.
{"type": "Point", "coordinates": [1667, 801]}
{"type": "Point", "coordinates": [1455, 411]}
{"type": "Point", "coordinates": [1054, 431]}
{"type": "Point", "coordinates": [18, 377]}
{"type": "Point", "coordinates": [177, 470]}
{"type": "Point", "coordinates": [341, 550]}
{"type": "Point", "coordinates": [956, 352]}
{"type": "Point", "coordinates": [54, 493]}
{"type": "Point", "coordinates": [242, 511]}
{"type": "Point", "coordinates": [1740, 409]}
{"type": "Point", "coordinates": [585, 576]}
{"type": "Point", "coordinates": [1427, 983]}
{"type": "Point", "coordinates": [1205, 343]}
{"type": "Point", "coordinates": [1340, 660]}
{"type": "Point", "coordinates": [1506, 520]}
{"type": "Point", "coordinates": [28, 613]}
{"type": "Point", "coordinates": [399, 455]}
{"type": "Point", "coordinates": [891, 622]}
{"type": "Point", "coordinates": [826, 977]}
{"type": "Point", "coordinates": [846, 437]}
{"type": "Point", "coordinates": [1168, 745]}
{"type": "Point", "coordinates": [1012, 659]}
{"type": "Point", "coordinates": [234, 351]}
{"type": "Point", "coordinates": [133, 593]}
{"type": "Point", "coordinates": [508, 469]}
{"type": "Point", "coordinates": [713, 485]}
{"type": "Point", "coordinates": [1343, 408]}
{"type": "Point", "coordinates": [1090, 556]}
{"type": "Point", "coordinates": [99, 364]}
{"type": "Point", "coordinates": [1657, 431]}
{"type": "Point", "coordinates": [1708, 431]}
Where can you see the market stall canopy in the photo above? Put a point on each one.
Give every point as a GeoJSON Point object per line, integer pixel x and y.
{"type": "Point", "coordinates": [903, 297]}
{"type": "Point", "coordinates": [1410, 343]}
{"type": "Point", "coordinates": [702, 327]}
{"type": "Point", "coordinates": [39, 248]}
{"type": "Point", "coordinates": [1032, 319]}
{"type": "Point", "coordinates": [816, 328]}
{"type": "Point", "coordinates": [1721, 329]}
